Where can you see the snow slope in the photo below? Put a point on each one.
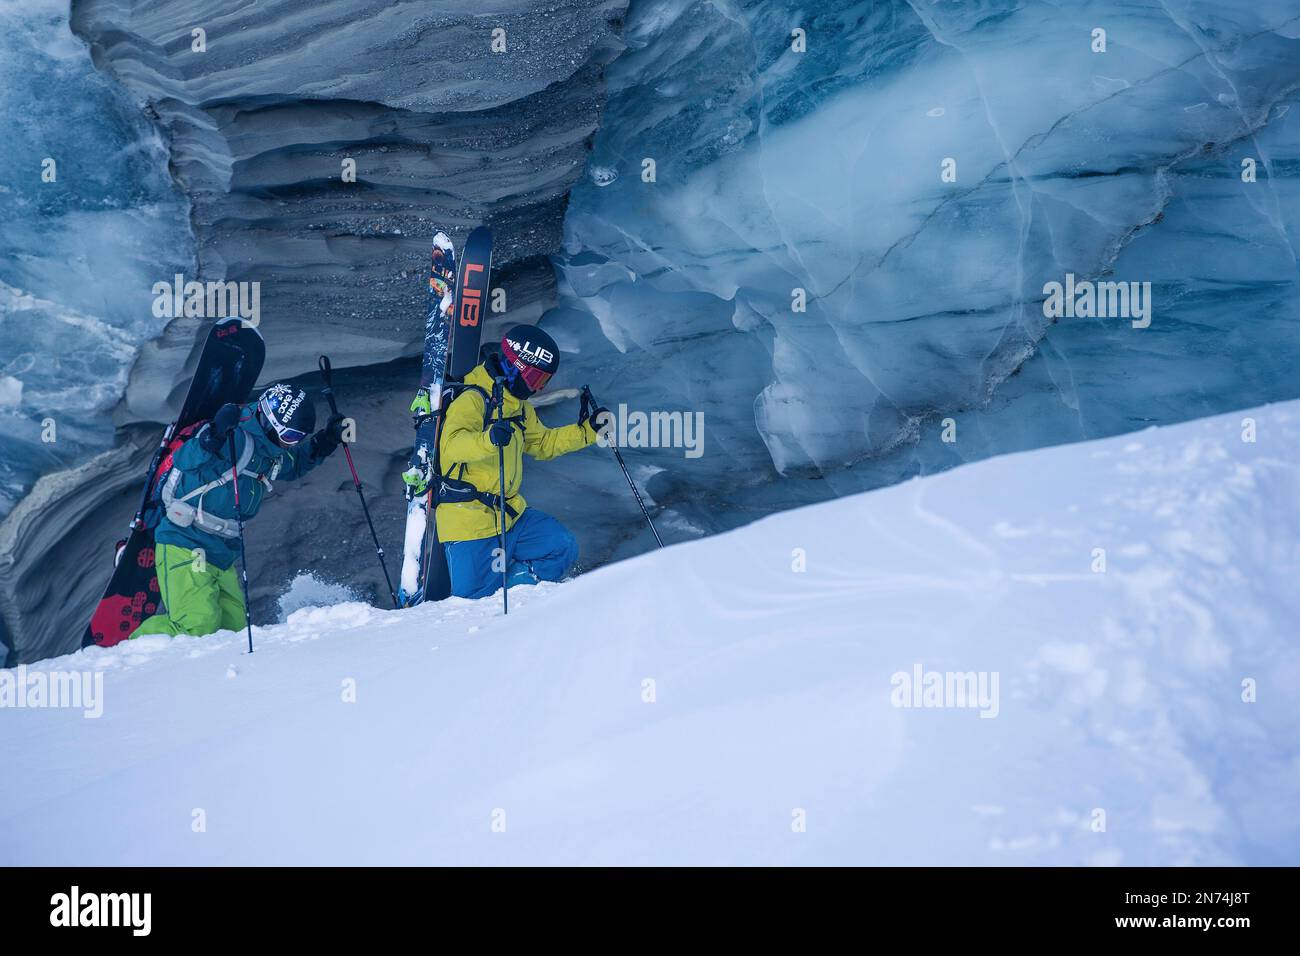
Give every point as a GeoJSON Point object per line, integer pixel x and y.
{"type": "Point", "coordinates": [1118, 691]}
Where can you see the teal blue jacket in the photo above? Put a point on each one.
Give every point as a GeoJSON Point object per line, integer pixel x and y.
{"type": "Point", "coordinates": [198, 466]}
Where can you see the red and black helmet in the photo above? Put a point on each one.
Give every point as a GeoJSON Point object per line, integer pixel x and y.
{"type": "Point", "coordinates": [529, 355]}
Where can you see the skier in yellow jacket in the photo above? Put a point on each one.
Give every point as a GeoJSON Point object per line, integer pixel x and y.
{"type": "Point", "coordinates": [537, 546]}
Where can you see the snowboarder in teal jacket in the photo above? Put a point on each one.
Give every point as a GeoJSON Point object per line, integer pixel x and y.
{"type": "Point", "coordinates": [197, 540]}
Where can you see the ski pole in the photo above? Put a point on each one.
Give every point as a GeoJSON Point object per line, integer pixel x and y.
{"type": "Point", "coordinates": [588, 397]}
{"type": "Point", "coordinates": [243, 555]}
{"type": "Point", "coordinates": [327, 374]}
{"type": "Point", "coordinates": [499, 397]}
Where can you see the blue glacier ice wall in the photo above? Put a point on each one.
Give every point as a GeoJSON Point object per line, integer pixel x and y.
{"type": "Point", "coordinates": [78, 255]}
{"type": "Point", "coordinates": [820, 170]}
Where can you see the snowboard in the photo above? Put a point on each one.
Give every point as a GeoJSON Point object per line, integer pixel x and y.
{"type": "Point", "coordinates": [228, 367]}
{"type": "Point", "coordinates": [451, 348]}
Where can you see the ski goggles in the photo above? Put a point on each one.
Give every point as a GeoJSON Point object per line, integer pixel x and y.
{"type": "Point", "coordinates": [285, 435]}
{"type": "Point", "coordinates": [534, 377]}
{"type": "Point", "coordinates": [288, 436]}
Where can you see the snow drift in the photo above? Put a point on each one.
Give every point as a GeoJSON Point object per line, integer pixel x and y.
{"type": "Point", "coordinates": [1126, 606]}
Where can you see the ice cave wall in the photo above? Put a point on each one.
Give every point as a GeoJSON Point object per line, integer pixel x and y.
{"type": "Point", "coordinates": [778, 170]}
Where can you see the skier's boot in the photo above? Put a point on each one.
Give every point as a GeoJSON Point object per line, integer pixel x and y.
{"type": "Point", "coordinates": [520, 572]}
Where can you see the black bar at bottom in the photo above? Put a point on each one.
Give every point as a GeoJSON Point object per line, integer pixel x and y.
{"type": "Point", "coordinates": [333, 905]}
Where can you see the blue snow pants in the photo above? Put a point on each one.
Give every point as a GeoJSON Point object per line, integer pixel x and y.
{"type": "Point", "coordinates": [535, 540]}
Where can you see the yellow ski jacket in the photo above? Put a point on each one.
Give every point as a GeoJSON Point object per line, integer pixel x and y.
{"type": "Point", "coordinates": [466, 453]}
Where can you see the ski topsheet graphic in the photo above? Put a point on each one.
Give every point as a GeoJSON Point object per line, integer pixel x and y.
{"type": "Point", "coordinates": [451, 346]}
{"type": "Point", "coordinates": [437, 334]}
{"type": "Point", "coordinates": [228, 367]}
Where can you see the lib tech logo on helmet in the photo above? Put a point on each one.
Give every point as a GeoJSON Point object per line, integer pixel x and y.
{"type": "Point", "coordinates": [533, 353]}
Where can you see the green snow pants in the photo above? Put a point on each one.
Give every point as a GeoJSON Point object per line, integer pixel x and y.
{"type": "Point", "coordinates": [196, 602]}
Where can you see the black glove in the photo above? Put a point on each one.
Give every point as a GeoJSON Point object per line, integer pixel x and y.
{"type": "Point", "coordinates": [226, 418]}
{"type": "Point", "coordinates": [596, 415]}
{"type": "Point", "coordinates": [335, 427]}
{"type": "Point", "coordinates": [501, 432]}
{"type": "Point", "coordinates": [326, 441]}
{"type": "Point", "coordinates": [216, 436]}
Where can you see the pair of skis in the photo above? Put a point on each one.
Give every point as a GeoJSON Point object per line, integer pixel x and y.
{"type": "Point", "coordinates": [451, 348]}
